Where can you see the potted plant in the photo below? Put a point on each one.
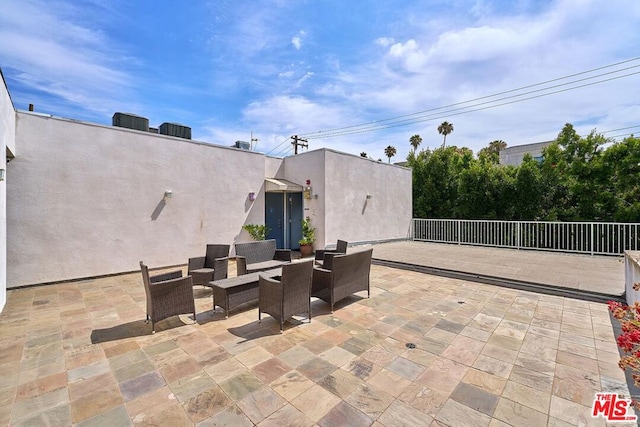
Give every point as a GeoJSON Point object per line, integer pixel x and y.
{"type": "Point", "coordinates": [308, 238]}
{"type": "Point", "coordinates": [256, 231]}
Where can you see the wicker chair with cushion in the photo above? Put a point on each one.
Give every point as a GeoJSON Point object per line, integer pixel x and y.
{"type": "Point", "coordinates": [342, 275]}
{"type": "Point", "coordinates": [341, 248]}
{"type": "Point", "coordinates": [168, 294]}
{"type": "Point", "coordinates": [288, 296]}
{"type": "Point", "coordinates": [213, 266]}
{"type": "Point", "coordinates": [260, 255]}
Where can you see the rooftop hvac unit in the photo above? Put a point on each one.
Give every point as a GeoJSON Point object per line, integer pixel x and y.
{"type": "Point", "coordinates": [130, 121]}
{"type": "Point", "coordinates": [243, 145]}
{"type": "Point", "coordinates": [175, 129]}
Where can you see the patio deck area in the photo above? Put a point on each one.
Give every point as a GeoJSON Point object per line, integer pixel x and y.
{"type": "Point", "coordinates": [79, 353]}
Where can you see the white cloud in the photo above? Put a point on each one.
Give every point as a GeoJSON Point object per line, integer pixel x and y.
{"type": "Point", "coordinates": [296, 41]}
{"type": "Point", "coordinates": [384, 41]}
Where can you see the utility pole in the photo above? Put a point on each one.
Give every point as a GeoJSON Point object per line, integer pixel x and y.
{"type": "Point", "coordinates": [302, 143]}
{"type": "Point", "coordinates": [251, 146]}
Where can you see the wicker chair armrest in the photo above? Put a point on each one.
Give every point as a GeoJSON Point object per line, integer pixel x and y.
{"type": "Point", "coordinates": [320, 254]}
{"type": "Point", "coordinates": [283, 254]}
{"type": "Point", "coordinates": [159, 288]}
{"type": "Point", "coordinates": [327, 260]}
{"type": "Point", "coordinates": [220, 268]}
{"type": "Point", "coordinates": [270, 295]}
{"type": "Point", "coordinates": [269, 281]}
{"type": "Point", "coordinates": [165, 276]}
{"type": "Point", "coordinates": [241, 265]}
{"type": "Point", "coordinates": [196, 263]}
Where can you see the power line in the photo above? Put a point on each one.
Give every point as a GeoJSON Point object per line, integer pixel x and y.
{"type": "Point", "coordinates": [420, 116]}
{"type": "Point", "coordinates": [371, 128]}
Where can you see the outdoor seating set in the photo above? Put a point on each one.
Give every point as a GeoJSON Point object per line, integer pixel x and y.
{"type": "Point", "coordinates": [282, 288]}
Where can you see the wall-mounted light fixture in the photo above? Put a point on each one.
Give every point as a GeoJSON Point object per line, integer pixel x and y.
{"type": "Point", "coordinates": [252, 196]}
{"type": "Point", "coordinates": [369, 196]}
{"type": "Point", "coordinates": [168, 194]}
{"type": "Point", "coordinates": [1, 174]}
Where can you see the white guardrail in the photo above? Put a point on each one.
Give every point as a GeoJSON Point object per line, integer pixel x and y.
{"type": "Point", "coordinates": [595, 238]}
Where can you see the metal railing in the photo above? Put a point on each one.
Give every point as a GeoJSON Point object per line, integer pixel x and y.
{"type": "Point", "coordinates": [595, 238]}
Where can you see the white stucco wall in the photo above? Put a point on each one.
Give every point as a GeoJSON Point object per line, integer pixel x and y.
{"type": "Point", "coordinates": [385, 216]}
{"type": "Point", "coordinates": [86, 200]}
{"type": "Point", "coordinates": [342, 182]}
{"type": "Point", "coordinates": [310, 166]}
{"type": "Point", "coordinates": [7, 141]}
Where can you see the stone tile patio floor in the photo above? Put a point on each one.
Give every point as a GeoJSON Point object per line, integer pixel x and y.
{"type": "Point", "coordinates": [79, 353]}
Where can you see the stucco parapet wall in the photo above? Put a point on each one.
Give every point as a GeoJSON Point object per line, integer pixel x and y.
{"type": "Point", "coordinates": [631, 275]}
{"type": "Point", "coordinates": [342, 153]}
{"type": "Point", "coordinates": [138, 132]}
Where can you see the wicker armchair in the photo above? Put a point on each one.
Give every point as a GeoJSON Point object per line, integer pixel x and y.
{"type": "Point", "coordinates": [342, 275]}
{"type": "Point", "coordinates": [213, 266]}
{"type": "Point", "coordinates": [288, 296]}
{"type": "Point", "coordinates": [168, 294]}
{"type": "Point", "coordinates": [341, 248]}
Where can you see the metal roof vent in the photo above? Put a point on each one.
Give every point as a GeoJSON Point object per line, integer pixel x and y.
{"type": "Point", "coordinates": [175, 129]}
{"type": "Point", "coordinates": [130, 121]}
{"type": "Point", "coordinates": [243, 145]}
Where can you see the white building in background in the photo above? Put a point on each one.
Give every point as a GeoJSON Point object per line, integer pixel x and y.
{"type": "Point", "coordinates": [83, 200]}
{"type": "Point", "coordinates": [513, 155]}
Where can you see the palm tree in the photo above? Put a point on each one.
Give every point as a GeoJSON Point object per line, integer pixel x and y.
{"type": "Point", "coordinates": [415, 141]}
{"type": "Point", "coordinates": [390, 152]}
{"type": "Point", "coordinates": [445, 129]}
{"type": "Point", "coordinates": [363, 154]}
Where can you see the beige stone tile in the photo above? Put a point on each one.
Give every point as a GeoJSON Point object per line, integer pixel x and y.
{"type": "Point", "coordinates": [291, 384]}
{"type": "Point", "coordinates": [585, 363]}
{"type": "Point", "coordinates": [516, 414]}
{"type": "Point", "coordinates": [500, 353]}
{"type": "Point", "coordinates": [151, 403]}
{"type": "Point", "coordinates": [485, 381]}
{"type": "Point", "coordinates": [463, 350]}
{"type": "Point", "coordinates": [315, 402]}
{"type": "Point", "coordinates": [443, 375]}
{"type": "Point", "coordinates": [493, 366]}
{"type": "Point", "coordinates": [530, 378]}
{"type": "Point", "coordinates": [400, 414]}
{"type": "Point", "coordinates": [454, 413]}
{"type": "Point", "coordinates": [527, 396]}
{"type": "Point", "coordinates": [254, 356]}
{"type": "Point", "coordinates": [370, 399]}
{"type": "Point", "coordinates": [391, 382]}
{"type": "Point", "coordinates": [288, 415]}
{"type": "Point", "coordinates": [572, 413]}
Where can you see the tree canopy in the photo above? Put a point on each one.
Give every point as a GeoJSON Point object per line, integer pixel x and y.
{"type": "Point", "coordinates": [578, 179]}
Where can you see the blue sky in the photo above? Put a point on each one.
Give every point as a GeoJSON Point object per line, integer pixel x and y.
{"type": "Point", "coordinates": [279, 68]}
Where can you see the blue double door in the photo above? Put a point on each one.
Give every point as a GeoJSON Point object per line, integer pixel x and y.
{"type": "Point", "coordinates": [283, 217]}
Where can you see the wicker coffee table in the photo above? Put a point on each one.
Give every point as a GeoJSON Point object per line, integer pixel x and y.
{"type": "Point", "coordinates": [234, 291]}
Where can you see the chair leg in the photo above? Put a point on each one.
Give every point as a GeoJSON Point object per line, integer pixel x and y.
{"type": "Point", "coordinates": [281, 324]}
{"type": "Point", "coordinates": [153, 327]}
{"type": "Point", "coordinates": [194, 317]}
{"type": "Point", "coordinates": [259, 316]}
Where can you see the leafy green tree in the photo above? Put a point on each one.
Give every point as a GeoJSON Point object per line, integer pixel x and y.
{"type": "Point", "coordinates": [390, 152]}
{"type": "Point", "coordinates": [491, 153]}
{"type": "Point", "coordinates": [529, 190]}
{"type": "Point", "coordinates": [435, 181]}
{"type": "Point", "coordinates": [623, 159]}
{"type": "Point", "coordinates": [445, 129]}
